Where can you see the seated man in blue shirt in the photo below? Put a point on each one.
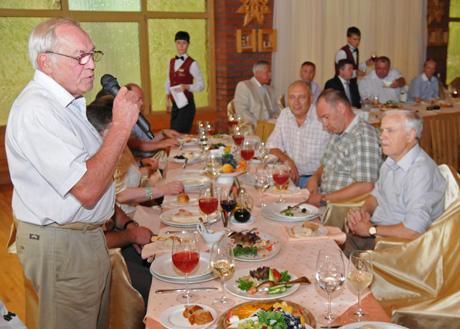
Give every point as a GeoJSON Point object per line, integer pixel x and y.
{"type": "Point", "coordinates": [409, 194]}
{"type": "Point", "coordinates": [424, 86]}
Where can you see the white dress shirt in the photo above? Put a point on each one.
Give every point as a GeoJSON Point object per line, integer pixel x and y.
{"type": "Point", "coordinates": [341, 54]}
{"type": "Point", "coordinates": [48, 141]}
{"type": "Point", "coordinates": [371, 85]}
{"type": "Point", "coordinates": [196, 86]}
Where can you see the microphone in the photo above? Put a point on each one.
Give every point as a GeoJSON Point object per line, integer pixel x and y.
{"type": "Point", "coordinates": [110, 84]}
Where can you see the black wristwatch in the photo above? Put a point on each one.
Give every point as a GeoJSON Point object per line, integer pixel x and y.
{"type": "Point", "coordinates": [129, 222]}
{"type": "Point", "coordinates": [323, 201]}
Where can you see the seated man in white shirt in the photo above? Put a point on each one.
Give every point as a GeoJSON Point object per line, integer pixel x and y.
{"type": "Point", "coordinates": [298, 137]}
{"type": "Point", "coordinates": [408, 196]}
{"type": "Point", "coordinates": [426, 85]}
{"type": "Point", "coordinates": [383, 82]}
{"type": "Point", "coordinates": [255, 98]}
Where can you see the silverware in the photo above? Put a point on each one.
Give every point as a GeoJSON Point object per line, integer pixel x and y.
{"type": "Point", "coordinates": [330, 326]}
{"type": "Point", "coordinates": [288, 208]}
{"type": "Point", "coordinates": [174, 232]}
{"type": "Point", "coordinates": [162, 291]}
{"type": "Point", "coordinates": [185, 163]}
{"type": "Point", "coordinates": [181, 145]}
{"type": "Point", "coordinates": [202, 222]}
{"type": "Point", "coordinates": [150, 259]}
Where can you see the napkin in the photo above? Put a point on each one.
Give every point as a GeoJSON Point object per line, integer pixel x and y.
{"type": "Point", "coordinates": [335, 234]}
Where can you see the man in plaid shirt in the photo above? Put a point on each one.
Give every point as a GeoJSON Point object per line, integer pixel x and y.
{"type": "Point", "coordinates": [299, 138]}
{"type": "Point", "coordinates": [351, 163]}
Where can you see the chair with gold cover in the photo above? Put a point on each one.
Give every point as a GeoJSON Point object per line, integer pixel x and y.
{"type": "Point", "coordinates": [454, 85]}
{"type": "Point", "coordinates": [264, 129]}
{"type": "Point", "coordinates": [282, 102]}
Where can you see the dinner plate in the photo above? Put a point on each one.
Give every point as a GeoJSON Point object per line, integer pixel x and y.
{"type": "Point", "coordinates": [168, 217]}
{"type": "Point", "coordinates": [231, 287]}
{"type": "Point", "coordinates": [273, 248]}
{"type": "Point", "coordinates": [289, 191]}
{"type": "Point", "coordinates": [321, 231]}
{"type": "Point", "coordinates": [190, 182]}
{"type": "Point", "coordinates": [310, 320]}
{"type": "Point", "coordinates": [163, 266]}
{"type": "Point", "coordinates": [270, 158]}
{"type": "Point", "coordinates": [268, 213]}
{"type": "Point", "coordinates": [235, 222]}
{"type": "Point", "coordinates": [383, 325]}
{"type": "Point", "coordinates": [218, 138]}
{"type": "Point", "coordinates": [310, 211]}
{"type": "Point", "coordinates": [175, 203]}
{"type": "Point", "coordinates": [204, 278]}
{"type": "Point", "coordinates": [172, 318]}
{"type": "Point", "coordinates": [192, 157]}
{"type": "Point", "coordinates": [188, 141]}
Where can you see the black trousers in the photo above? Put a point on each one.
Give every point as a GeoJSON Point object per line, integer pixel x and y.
{"type": "Point", "coordinates": [182, 119]}
{"type": "Point", "coordinates": [139, 272]}
{"type": "Point", "coordinates": [355, 242]}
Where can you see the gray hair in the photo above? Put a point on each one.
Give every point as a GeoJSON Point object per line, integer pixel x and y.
{"type": "Point", "coordinates": [258, 65]}
{"type": "Point", "coordinates": [411, 120]}
{"type": "Point", "coordinates": [43, 38]}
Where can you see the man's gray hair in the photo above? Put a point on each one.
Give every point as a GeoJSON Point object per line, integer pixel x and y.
{"type": "Point", "coordinates": [411, 119]}
{"type": "Point", "coordinates": [43, 38]}
{"type": "Point", "coordinates": [258, 65]}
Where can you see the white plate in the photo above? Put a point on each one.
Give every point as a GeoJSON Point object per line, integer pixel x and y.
{"type": "Point", "coordinates": [168, 219]}
{"type": "Point", "coordinates": [321, 231]}
{"type": "Point", "coordinates": [204, 278]}
{"type": "Point", "coordinates": [271, 158]}
{"type": "Point", "coordinates": [190, 182]}
{"type": "Point", "coordinates": [172, 318]}
{"type": "Point", "coordinates": [188, 141]}
{"type": "Point", "coordinates": [234, 222]}
{"type": "Point", "coordinates": [163, 266]}
{"type": "Point", "coordinates": [231, 287]}
{"type": "Point", "coordinates": [290, 190]}
{"type": "Point", "coordinates": [195, 157]}
{"type": "Point", "coordinates": [383, 325]}
{"type": "Point", "coordinates": [233, 174]}
{"type": "Point", "coordinates": [174, 203]}
{"type": "Point", "coordinates": [216, 139]}
{"type": "Point", "coordinates": [268, 213]}
{"type": "Point", "coordinates": [235, 325]}
{"type": "Point", "coordinates": [311, 211]}
{"type": "Point", "coordinates": [248, 179]}
{"type": "Point", "coordinates": [263, 254]}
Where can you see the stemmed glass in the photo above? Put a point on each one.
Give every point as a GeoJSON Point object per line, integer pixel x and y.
{"type": "Point", "coordinates": [281, 177]}
{"type": "Point", "coordinates": [200, 126]}
{"type": "Point", "coordinates": [185, 256]}
{"type": "Point", "coordinates": [247, 150]}
{"type": "Point", "coordinates": [223, 263]}
{"type": "Point", "coordinates": [208, 201]}
{"type": "Point", "coordinates": [227, 203]}
{"type": "Point", "coordinates": [373, 55]}
{"type": "Point", "coordinates": [262, 184]}
{"type": "Point", "coordinates": [204, 142]}
{"type": "Point", "coordinates": [330, 276]}
{"type": "Point", "coordinates": [232, 121]}
{"type": "Point", "coordinates": [264, 152]}
{"type": "Point", "coordinates": [238, 136]}
{"type": "Point", "coordinates": [360, 275]}
{"type": "Point", "coordinates": [209, 127]}
{"type": "Point", "coordinates": [213, 166]}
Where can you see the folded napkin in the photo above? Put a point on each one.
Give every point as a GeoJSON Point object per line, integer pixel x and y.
{"type": "Point", "coordinates": [334, 234]}
{"type": "Point", "coordinates": [148, 217]}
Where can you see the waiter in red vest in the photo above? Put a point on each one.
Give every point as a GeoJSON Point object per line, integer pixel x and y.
{"type": "Point", "coordinates": [351, 52]}
{"type": "Point", "coordinates": [182, 72]}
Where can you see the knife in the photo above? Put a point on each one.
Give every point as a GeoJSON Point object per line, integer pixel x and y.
{"type": "Point", "coordinates": [181, 145]}
{"type": "Point", "coordinates": [173, 232]}
{"type": "Point", "coordinates": [288, 208]}
{"type": "Point", "coordinates": [185, 163]}
{"type": "Point", "coordinates": [331, 326]}
{"type": "Point", "coordinates": [162, 291]}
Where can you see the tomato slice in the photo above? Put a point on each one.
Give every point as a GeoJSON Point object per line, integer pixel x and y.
{"type": "Point", "coordinates": [276, 275]}
{"type": "Point", "coordinates": [229, 315]}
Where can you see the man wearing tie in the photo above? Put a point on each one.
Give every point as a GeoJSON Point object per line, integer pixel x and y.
{"type": "Point", "coordinates": [255, 98]}
{"type": "Point", "coordinates": [182, 71]}
{"type": "Point", "coordinates": [345, 84]}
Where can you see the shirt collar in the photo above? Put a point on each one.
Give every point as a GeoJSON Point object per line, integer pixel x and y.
{"type": "Point", "coordinates": [424, 77]}
{"type": "Point", "coordinates": [342, 79]}
{"type": "Point", "coordinates": [311, 114]}
{"type": "Point", "coordinates": [257, 81]}
{"type": "Point", "coordinates": [352, 125]}
{"type": "Point", "coordinates": [63, 97]}
{"type": "Point", "coordinates": [185, 56]}
{"type": "Point", "coordinates": [407, 160]}
{"type": "Point", "coordinates": [351, 47]}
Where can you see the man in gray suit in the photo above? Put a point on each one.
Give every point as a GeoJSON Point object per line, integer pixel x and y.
{"type": "Point", "coordinates": [255, 98]}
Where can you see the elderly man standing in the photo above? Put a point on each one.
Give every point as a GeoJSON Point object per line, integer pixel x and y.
{"type": "Point", "coordinates": [298, 137]}
{"type": "Point", "coordinates": [426, 85]}
{"type": "Point", "coordinates": [345, 84]}
{"type": "Point", "coordinates": [384, 82]}
{"type": "Point", "coordinates": [350, 165]}
{"type": "Point", "coordinates": [409, 194]}
{"type": "Point", "coordinates": [255, 98]}
{"type": "Point", "coordinates": [62, 174]}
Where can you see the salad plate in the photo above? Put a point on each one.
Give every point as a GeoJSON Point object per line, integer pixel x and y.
{"type": "Point", "coordinates": [382, 325]}
{"type": "Point", "coordinates": [296, 213]}
{"type": "Point", "coordinates": [164, 267]}
{"type": "Point", "coordinates": [186, 217]}
{"type": "Point", "coordinates": [191, 156]}
{"type": "Point", "coordinates": [263, 253]}
{"type": "Point", "coordinates": [172, 318]}
{"type": "Point", "coordinates": [232, 287]}
{"type": "Point", "coordinates": [186, 141]}
{"type": "Point", "coordinates": [268, 213]}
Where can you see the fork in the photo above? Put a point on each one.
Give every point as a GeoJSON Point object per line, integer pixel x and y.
{"type": "Point", "coordinates": [185, 163]}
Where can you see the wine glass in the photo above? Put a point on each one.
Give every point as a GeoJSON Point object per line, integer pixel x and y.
{"type": "Point", "coordinates": [247, 150]}
{"type": "Point", "coordinates": [209, 127]}
{"type": "Point", "coordinates": [238, 136]}
{"type": "Point", "coordinates": [223, 263]}
{"type": "Point", "coordinates": [227, 203]}
{"type": "Point", "coordinates": [360, 276]}
{"type": "Point", "coordinates": [232, 121]}
{"type": "Point", "coordinates": [373, 55]}
{"type": "Point", "coordinates": [262, 184]}
{"type": "Point", "coordinates": [208, 201]}
{"type": "Point", "coordinates": [203, 140]}
{"type": "Point", "coordinates": [213, 166]}
{"type": "Point", "coordinates": [330, 276]}
{"type": "Point", "coordinates": [281, 177]}
{"type": "Point", "coordinates": [264, 152]}
{"type": "Point", "coordinates": [185, 256]}
{"type": "Point", "coordinates": [200, 126]}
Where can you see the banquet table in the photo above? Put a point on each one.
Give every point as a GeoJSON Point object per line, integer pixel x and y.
{"type": "Point", "coordinates": [298, 256]}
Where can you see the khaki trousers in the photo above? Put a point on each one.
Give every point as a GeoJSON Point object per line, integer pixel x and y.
{"type": "Point", "coordinates": [70, 271]}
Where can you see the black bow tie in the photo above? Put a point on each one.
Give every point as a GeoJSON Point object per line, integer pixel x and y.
{"type": "Point", "coordinates": [180, 57]}
{"type": "Point", "coordinates": [354, 50]}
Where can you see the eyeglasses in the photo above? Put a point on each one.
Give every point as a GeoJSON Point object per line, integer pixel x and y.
{"type": "Point", "coordinates": [83, 59]}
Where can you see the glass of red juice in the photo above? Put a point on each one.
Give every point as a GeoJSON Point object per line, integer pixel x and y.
{"type": "Point", "coordinates": [280, 177]}
{"type": "Point", "coordinates": [210, 130]}
{"type": "Point", "coordinates": [247, 151]}
{"type": "Point", "coordinates": [238, 136]}
{"type": "Point", "coordinates": [185, 257]}
{"type": "Point", "coordinates": [208, 201]}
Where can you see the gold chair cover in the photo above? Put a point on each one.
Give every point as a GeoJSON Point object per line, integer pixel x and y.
{"type": "Point", "coordinates": [264, 129]}
{"type": "Point", "coordinates": [282, 102]}
{"type": "Point", "coordinates": [336, 211]}
{"type": "Point", "coordinates": [418, 281]}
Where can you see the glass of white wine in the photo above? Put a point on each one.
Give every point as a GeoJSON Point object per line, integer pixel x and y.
{"type": "Point", "coordinates": [262, 184]}
{"type": "Point", "coordinates": [223, 263]}
{"type": "Point", "coordinates": [213, 166]}
{"type": "Point", "coordinates": [360, 275]}
{"type": "Point", "coordinates": [330, 276]}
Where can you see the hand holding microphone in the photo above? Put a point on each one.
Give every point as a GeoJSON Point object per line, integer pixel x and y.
{"type": "Point", "coordinates": [110, 84]}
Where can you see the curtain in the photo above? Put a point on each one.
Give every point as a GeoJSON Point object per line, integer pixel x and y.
{"type": "Point", "coordinates": [313, 30]}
